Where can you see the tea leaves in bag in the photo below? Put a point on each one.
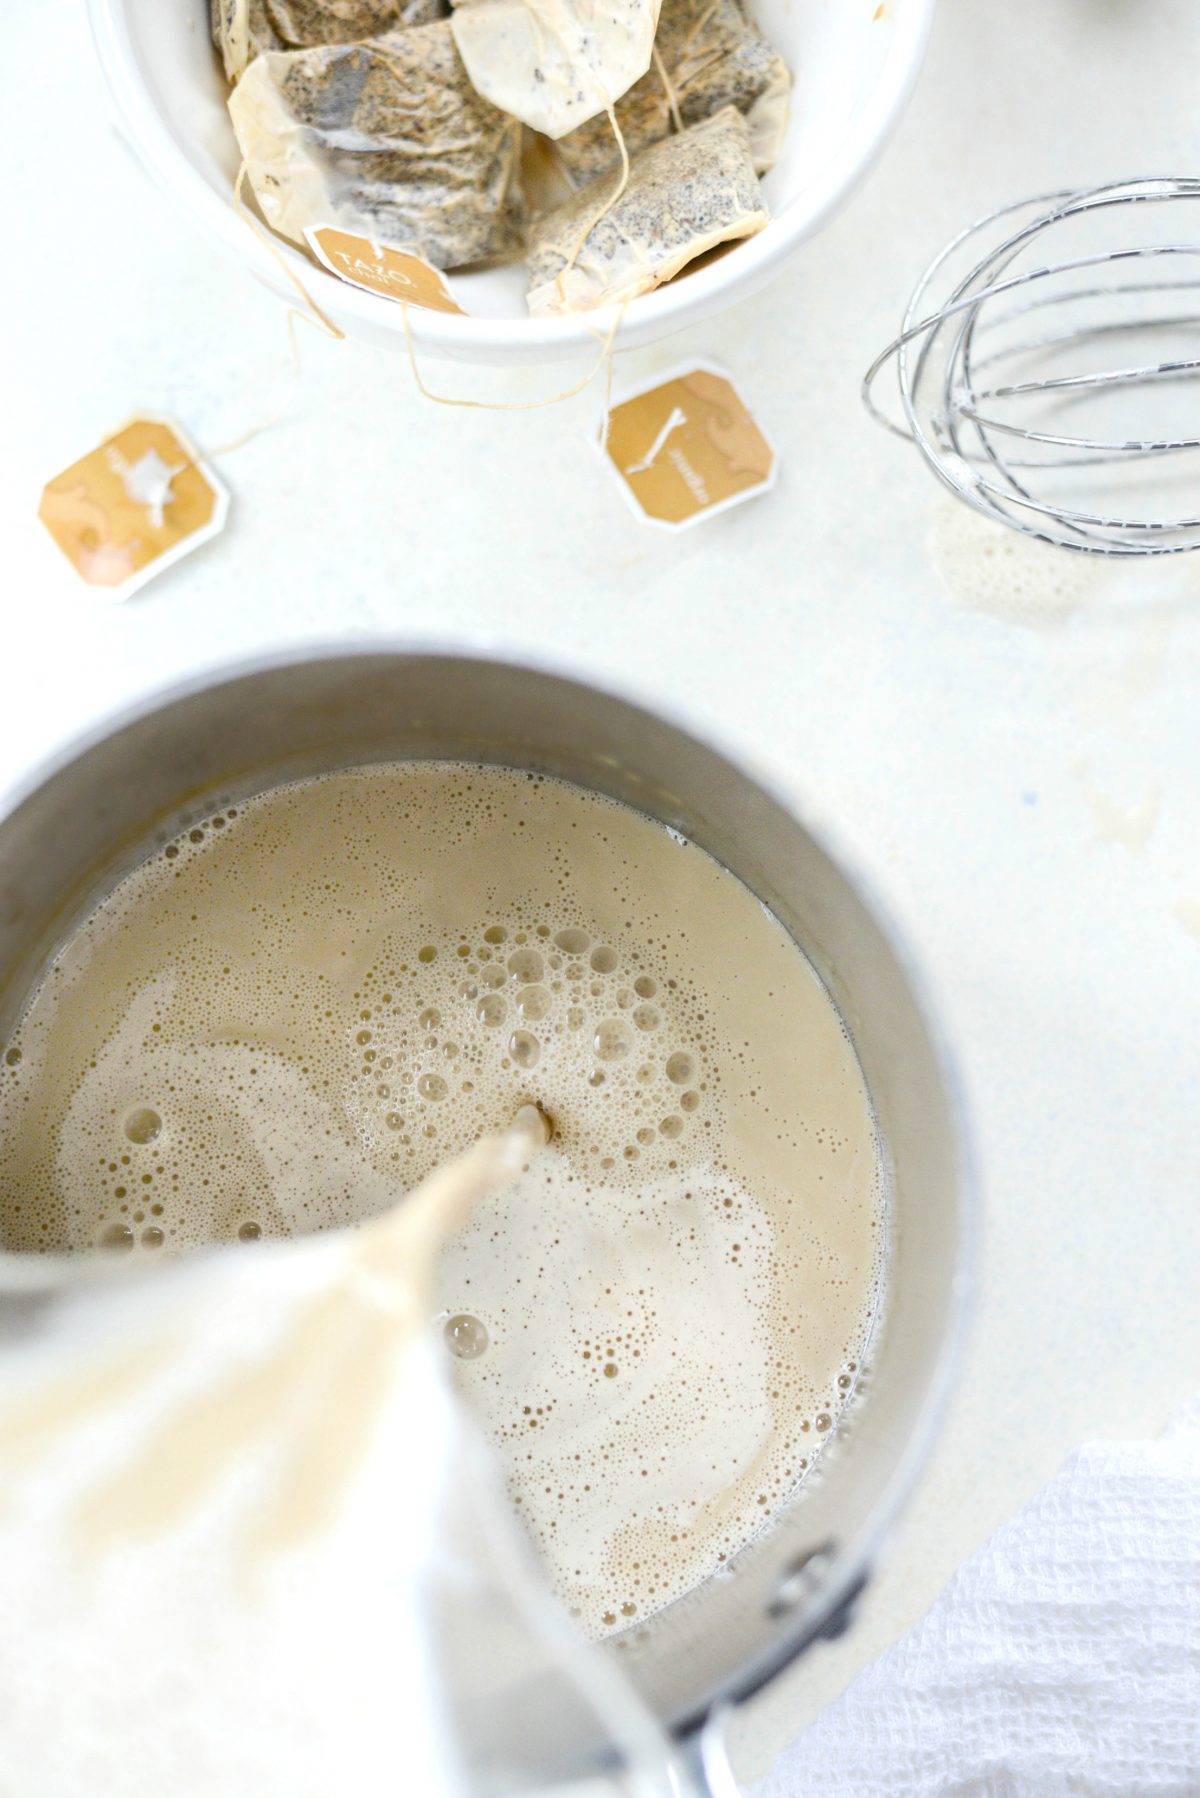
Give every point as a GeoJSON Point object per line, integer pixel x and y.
{"type": "Point", "coordinates": [241, 29]}
{"type": "Point", "coordinates": [555, 63]}
{"type": "Point", "coordinates": [386, 138]}
{"type": "Point", "coordinates": [685, 195]}
{"type": "Point", "coordinates": [711, 54]}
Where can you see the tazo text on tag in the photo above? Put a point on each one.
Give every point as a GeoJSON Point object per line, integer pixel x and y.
{"type": "Point", "coordinates": [133, 505]}
{"type": "Point", "coordinates": [687, 448]}
{"type": "Point", "coordinates": [396, 274]}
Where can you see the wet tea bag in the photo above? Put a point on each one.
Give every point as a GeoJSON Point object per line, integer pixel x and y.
{"type": "Point", "coordinates": [241, 29]}
{"type": "Point", "coordinates": [708, 54]}
{"type": "Point", "coordinates": [387, 139]}
{"type": "Point", "coordinates": [684, 196]}
{"type": "Point", "coordinates": [555, 63]}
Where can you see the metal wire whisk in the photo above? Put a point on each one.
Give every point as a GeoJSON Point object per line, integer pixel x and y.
{"type": "Point", "coordinates": [1047, 366]}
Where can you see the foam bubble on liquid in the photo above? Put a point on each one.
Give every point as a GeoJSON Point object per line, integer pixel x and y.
{"type": "Point", "coordinates": [465, 1337]}
{"type": "Point", "coordinates": [630, 1353]}
{"type": "Point", "coordinates": [280, 1024]}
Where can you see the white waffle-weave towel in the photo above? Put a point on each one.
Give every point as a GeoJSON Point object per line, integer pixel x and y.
{"type": "Point", "coordinates": [1063, 1658]}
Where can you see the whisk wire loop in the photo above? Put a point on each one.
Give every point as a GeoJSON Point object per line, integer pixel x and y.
{"type": "Point", "coordinates": [983, 399]}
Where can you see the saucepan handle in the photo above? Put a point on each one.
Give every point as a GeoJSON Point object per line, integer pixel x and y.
{"type": "Point", "coordinates": [706, 1771]}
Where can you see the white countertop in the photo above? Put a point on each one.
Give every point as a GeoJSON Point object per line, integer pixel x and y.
{"type": "Point", "coordinates": [971, 763]}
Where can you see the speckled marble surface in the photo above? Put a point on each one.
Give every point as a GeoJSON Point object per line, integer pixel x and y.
{"type": "Point", "coordinates": [1026, 797]}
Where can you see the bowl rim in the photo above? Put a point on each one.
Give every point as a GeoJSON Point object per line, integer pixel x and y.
{"type": "Point", "coordinates": [644, 320]}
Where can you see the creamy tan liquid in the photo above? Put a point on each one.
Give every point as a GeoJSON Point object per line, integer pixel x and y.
{"type": "Point", "coordinates": [301, 1006]}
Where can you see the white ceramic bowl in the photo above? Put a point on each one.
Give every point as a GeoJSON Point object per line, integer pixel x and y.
{"type": "Point", "coordinates": [854, 63]}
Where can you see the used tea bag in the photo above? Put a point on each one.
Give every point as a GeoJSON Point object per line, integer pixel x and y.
{"type": "Point", "coordinates": [241, 29]}
{"type": "Point", "coordinates": [684, 196]}
{"type": "Point", "coordinates": [555, 63]}
{"type": "Point", "coordinates": [387, 139]}
{"type": "Point", "coordinates": [711, 55]}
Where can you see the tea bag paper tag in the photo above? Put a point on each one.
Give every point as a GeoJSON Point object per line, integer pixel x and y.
{"type": "Point", "coordinates": [396, 274]}
{"type": "Point", "coordinates": [133, 505]}
{"type": "Point", "coordinates": [687, 447]}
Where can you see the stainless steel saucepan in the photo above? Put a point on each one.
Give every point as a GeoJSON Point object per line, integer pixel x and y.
{"type": "Point", "coordinates": [107, 803]}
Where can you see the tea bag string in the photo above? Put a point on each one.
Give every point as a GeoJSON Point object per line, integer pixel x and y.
{"type": "Point", "coordinates": [667, 78]}
{"type": "Point", "coordinates": [669, 88]}
{"type": "Point", "coordinates": [309, 314]}
{"type": "Point", "coordinates": [281, 410]}
{"type": "Point", "coordinates": [314, 316]}
{"type": "Point", "coordinates": [590, 224]}
{"type": "Point", "coordinates": [604, 359]}
{"type": "Point", "coordinates": [685, 48]}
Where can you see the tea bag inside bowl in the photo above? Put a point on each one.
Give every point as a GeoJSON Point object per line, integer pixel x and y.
{"type": "Point", "coordinates": [241, 29]}
{"type": "Point", "coordinates": [685, 195]}
{"type": "Point", "coordinates": [555, 63]}
{"type": "Point", "coordinates": [708, 54]}
{"type": "Point", "coordinates": [386, 138]}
